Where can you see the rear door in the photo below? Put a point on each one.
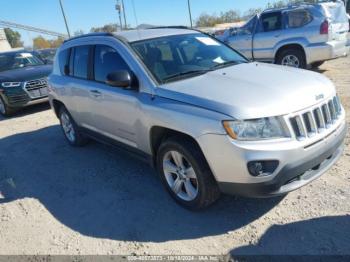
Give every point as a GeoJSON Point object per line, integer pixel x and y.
{"type": "Point", "coordinates": [79, 91]}
{"type": "Point", "coordinates": [269, 33]}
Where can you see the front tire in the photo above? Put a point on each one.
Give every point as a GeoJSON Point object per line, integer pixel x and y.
{"type": "Point", "coordinates": [186, 174]}
{"type": "Point", "coordinates": [292, 57]}
{"type": "Point", "coordinates": [70, 129]}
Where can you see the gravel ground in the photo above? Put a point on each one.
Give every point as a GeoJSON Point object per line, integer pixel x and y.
{"type": "Point", "coordinates": [97, 200]}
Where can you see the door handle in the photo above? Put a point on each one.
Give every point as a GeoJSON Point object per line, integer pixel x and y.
{"type": "Point", "coordinates": [95, 93]}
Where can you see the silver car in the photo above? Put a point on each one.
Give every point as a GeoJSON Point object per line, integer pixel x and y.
{"type": "Point", "coordinates": [198, 111]}
{"type": "Point", "coordinates": [300, 36]}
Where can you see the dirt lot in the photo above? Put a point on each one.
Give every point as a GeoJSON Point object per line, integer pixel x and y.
{"type": "Point", "coordinates": [97, 200]}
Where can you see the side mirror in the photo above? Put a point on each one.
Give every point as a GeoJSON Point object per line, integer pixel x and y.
{"type": "Point", "coordinates": [121, 79]}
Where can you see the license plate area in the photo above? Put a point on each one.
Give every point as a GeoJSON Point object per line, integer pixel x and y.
{"type": "Point", "coordinates": [37, 93]}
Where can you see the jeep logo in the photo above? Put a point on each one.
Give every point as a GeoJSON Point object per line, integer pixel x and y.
{"type": "Point", "coordinates": [319, 97]}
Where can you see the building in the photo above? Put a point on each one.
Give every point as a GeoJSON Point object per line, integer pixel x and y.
{"type": "Point", "coordinates": [4, 44]}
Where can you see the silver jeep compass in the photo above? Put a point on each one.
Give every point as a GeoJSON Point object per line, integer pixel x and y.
{"type": "Point", "coordinates": [205, 117]}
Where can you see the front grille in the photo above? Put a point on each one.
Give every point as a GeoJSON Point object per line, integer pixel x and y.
{"type": "Point", "coordinates": [315, 121]}
{"type": "Point", "coordinates": [36, 88]}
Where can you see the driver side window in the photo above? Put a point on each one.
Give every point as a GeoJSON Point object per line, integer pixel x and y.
{"type": "Point", "coordinates": [107, 60]}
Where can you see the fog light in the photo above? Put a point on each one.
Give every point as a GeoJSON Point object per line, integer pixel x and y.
{"type": "Point", "coordinates": [262, 168]}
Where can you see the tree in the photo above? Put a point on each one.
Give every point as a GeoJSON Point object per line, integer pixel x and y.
{"type": "Point", "coordinates": [78, 32]}
{"type": "Point", "coordinates": [56, 42]}
{"type": "Point", "coordinates": [110, 28]}
{"type": "Point", "coordinates": [13, 37]}
{"type": "Point", "coordinates": [40, 42]}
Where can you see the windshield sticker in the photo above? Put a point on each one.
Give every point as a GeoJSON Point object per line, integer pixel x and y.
{"type": "Point", "coordinates": [219, 60]}
{"type": "Point", "coordinates": [207, 41]}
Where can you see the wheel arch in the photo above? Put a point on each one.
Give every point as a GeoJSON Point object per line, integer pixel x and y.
{"type": "Point", "coordinates": [159, 134]}
{"type": "Point", "coordinates": [56, 104]}
{"type": "Point", "coordinates": [290, 46]}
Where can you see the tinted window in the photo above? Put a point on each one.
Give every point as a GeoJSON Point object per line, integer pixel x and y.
{"type": "Point", "coordinates": [107, 60]}
{"type": "Point", "coordinates": [271, 22]}
{"type": "Point", "coordinates": [80, 61]}
{"type": "Point", "coordinates": [15, 60]}
{"type": "Point", "coordinates": [298, 18]}
{"type": "Point", "coordinates": [63, 59]}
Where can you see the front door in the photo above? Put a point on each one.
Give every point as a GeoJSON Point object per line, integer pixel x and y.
{"type": "Point", "coordinates": [269, 33]}
{"type": "Point", "coordinates": [116, 110]}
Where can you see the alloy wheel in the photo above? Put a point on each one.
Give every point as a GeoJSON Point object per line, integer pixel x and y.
{"type": "Point", "coordinates": [68, 127]}
{"type": "Point", "coordinates": [180, 175]}
{"type": "Point", "coordinates": [291, 60]}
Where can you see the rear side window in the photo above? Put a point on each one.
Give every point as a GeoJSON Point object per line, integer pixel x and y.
{"type": "Point", "coordinates": [63, 60]}
{"type": "Point", "coordinates": [298, 18]}
{"type": "Point", "coordinates": [271, 22]}
{"type": "Point", "coordinates": [80, 62]}
{"type": "Point", "coordinates": [107, 60]}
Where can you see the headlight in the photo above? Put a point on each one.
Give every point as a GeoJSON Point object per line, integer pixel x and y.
{"type": "Point", "coordinates": [257, 129]}
{"type": "Point", "coordinates": [10, 84]}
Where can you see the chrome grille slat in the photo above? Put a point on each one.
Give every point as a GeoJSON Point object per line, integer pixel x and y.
{"type": "Point", "coordinates": [36, 88]}
{"type": "Point", "coordinates": [309, 123]}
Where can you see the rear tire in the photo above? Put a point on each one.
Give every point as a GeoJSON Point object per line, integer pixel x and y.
{"type": "Point", "coordinates": [193, 186]}
{"type": "Point", "coordinates": [70, 129]}
{"type": "Point", "coordinates": [292, 57]}
{"type": "Point", "coordinates": [4, 108]}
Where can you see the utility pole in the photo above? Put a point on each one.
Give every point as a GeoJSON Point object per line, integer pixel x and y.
{"type": "Point", "coordinates": [65, 18]}
{"type": "Point", "coordinates": [189, 12]}
{"type": "Point", "coordinates": [118, 7]}
{"type": "Point", "coordinates": [124, 14]}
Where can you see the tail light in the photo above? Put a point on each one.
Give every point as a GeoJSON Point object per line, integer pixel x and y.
{"type": "Point", "coordinates": [324, 28]}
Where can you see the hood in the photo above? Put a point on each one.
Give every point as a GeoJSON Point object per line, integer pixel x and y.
{"type": "Point", "coordinates": [252, 90]}
{"type": "Point", "coordinates": [26, 73]}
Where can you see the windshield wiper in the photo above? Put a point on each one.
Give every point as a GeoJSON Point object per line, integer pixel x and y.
{"type": "Point", "coordinates": [187, 73]}
{"type": "Point", "coordinates": [225, 64]}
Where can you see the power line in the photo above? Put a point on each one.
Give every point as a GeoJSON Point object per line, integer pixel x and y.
{"type": "Point", "coordinates": [31, 28]}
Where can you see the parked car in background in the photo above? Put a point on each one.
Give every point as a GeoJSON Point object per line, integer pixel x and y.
{"type": "Point", "coordinates": [47, 55]}
{"type": "Point", "coordinates": [300, 36]}
{"type": "Point", "coordinates": [205, 117]}
{"type": "Point", "coordinates": [23, 80]}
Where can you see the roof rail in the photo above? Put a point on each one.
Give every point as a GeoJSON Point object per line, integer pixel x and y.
{"type": "Point", "coordinates": [87, 35]}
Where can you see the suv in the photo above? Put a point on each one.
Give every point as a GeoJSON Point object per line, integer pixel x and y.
{"type": "Point", "coordinates": [205, 117]}
{"type": "Point", "coordinates": [23, 81]}
{"type": "Point", "coordinates": [298, 36]}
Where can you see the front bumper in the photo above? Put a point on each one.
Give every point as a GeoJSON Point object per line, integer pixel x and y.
{"type": "Point", "coordinates": [299, 163]}
{"type": "Point", "coordinates": [18, 98]}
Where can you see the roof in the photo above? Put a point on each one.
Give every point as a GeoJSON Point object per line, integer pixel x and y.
{"type": "Point", "coordinates": [144, 34]}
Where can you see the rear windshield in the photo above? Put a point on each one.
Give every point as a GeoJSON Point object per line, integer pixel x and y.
{"type": "Point", "coordinates": [336, 12]}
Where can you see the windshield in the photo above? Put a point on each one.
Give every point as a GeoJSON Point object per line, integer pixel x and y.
{"type": "Point", "coordinates": [47, 54]}
{"type": "Point", "coordinates": [10, 61]}
{"type": "Point", "coordinates": [182, 56]}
